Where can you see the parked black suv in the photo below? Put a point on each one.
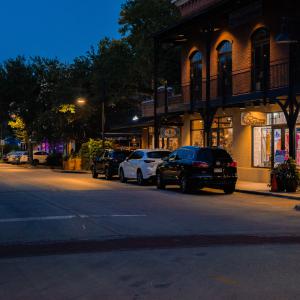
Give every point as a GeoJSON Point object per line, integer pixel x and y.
{"type": "Point", "coordinates": [194, 167]}
{"type": "Point", "coordinates": [108, 163]}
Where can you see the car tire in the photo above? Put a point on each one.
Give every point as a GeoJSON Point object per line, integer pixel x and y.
{"type": "Point", "coordinates": [122, 177]}
{"type": "Point", "coordinates": [160, 183]}
{"type": "Point", "coordinates": [107, 174]}
{"type": "Point", "coordinates": [94, 173]}
{"type": "Point", "coordinates": [35, 162]}
{"type": "Point", "coordinates": [229, 189]}
{"type": "Point", "coordinates": [140, 178]}
{"type": "Point", "coordinates": [185, 185]}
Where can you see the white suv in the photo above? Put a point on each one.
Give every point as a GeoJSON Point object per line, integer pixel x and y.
{"type": "Point", "coordinates": [39, 157]}
{"type": "Point", "coordinates": [141, 165]}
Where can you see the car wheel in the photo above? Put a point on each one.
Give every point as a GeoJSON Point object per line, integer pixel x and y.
{"type": "Point", "coordinates": [122, 176]}
{"type": "Point", "coordinates": [94, 173]}
{"type": "Point", "coordinates": [160, 182]}
{"type": "Point", "coordinates": [185, 185]}
{"type": "Point", "coordinates": [35, 162]}
{"type": "Point", "coordinates": [108, 175]}
{"type": "Point", "coordinates": [229, 189]}
{"type": "Point", "coordinates": [140, 178]}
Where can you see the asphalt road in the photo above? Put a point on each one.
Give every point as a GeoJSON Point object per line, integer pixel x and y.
{"type": "Point", "coordinates": [120, 241]}
{"type": "Point", "coordinates": [39, 205]}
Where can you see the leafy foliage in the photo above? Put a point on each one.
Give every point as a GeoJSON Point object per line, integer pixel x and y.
{"type": "Point", "coordinates": [92, 149]}
{"type": "Point", "coordinates": [139, 21]}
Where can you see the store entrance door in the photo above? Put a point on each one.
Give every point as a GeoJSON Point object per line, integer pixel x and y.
{"type": "Point", "coordinates": [280, 141]}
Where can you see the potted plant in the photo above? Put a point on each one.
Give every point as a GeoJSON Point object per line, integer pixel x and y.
{"type": "Point", "coordinates": [285, 177]}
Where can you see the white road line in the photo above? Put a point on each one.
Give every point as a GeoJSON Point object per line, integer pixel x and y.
{"type": "Point", "coordinates": [54, 218]}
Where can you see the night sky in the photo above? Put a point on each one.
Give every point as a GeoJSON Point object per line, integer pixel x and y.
{"type": "Point", "coordinates": [55, 28]}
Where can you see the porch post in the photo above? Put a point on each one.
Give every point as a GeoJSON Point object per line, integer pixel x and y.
{"type": "Point", "coordinates": [207, 113]}
{"type": "Point", "coordinates": [155, 81]}
{"type": "Point", "coordinates": [293, 105]}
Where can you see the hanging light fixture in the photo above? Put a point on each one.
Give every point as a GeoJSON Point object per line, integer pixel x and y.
{"type": "Point", "coordinates": [285, 36]}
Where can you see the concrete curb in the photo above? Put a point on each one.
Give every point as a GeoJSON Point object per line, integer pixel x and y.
{"type": "Point", "coordinates": [140, 243]}
{"type": "Point", "coordinates": [269, 194]}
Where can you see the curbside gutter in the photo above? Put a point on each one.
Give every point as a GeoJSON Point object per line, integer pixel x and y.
{"type": "Point", "coordinates": [269, 194]}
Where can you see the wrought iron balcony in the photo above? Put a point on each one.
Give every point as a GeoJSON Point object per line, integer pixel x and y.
{"type": "Point", "coordinates": [269, 83]}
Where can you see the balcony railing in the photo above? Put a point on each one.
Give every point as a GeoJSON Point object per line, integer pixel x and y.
{"type": "Point", "coordinates": [183, 98]}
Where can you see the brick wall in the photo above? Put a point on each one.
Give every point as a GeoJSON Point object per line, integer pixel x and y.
{"type": "Point", "coordinates": [240, 37]}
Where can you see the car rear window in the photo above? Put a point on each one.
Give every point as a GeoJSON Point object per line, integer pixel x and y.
{"type": "Point", "coordinates": [210, 155]}
{"type": "Point", "coordinates": [220, 154]}
{"type": "Point", "coordinates": [120, 155]}
{"type": "Point", "coordinates": [158, 154]}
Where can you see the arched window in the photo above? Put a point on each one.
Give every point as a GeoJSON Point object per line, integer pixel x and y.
{"type": "Point", "coordinates": [196, 76]}
{"type": "Point", "coordinates": [225, 69]}
{"type": "Point", "coordinates": [260, 59]}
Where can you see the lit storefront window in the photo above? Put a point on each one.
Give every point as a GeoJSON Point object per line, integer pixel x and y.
{"type": "Point", "coordinates": [222, 133]}
{"type": "Point", "coordinates": [197, 133]}
{"type": "Point", "coordinates": [263, 136]}
{"type": "Point", "coordinates": [169, 138]}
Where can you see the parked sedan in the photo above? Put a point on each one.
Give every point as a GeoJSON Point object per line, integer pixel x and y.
{"type": "Point", "coordinates": [141, 165]}
{"type": "Point", "coordinates": [108, 163]}
{"type": "Point", "coordinates": [194, 167]}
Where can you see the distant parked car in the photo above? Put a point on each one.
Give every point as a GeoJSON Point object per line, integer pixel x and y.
{"type": "Point", "coordinates": [39, 157]}
{"type": "Point", "coordinates": [108, 163]}
{"type": "Point", "coordinates": [194, 167]}
{"type": "Point", "coordinates": [14, 157]}
{"type": "Point", "coordinates": [6, 156]}
{"type": "Point", "coordinates": [141, 165]}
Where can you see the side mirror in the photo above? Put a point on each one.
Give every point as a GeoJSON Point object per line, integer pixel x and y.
{"type": "Point", "coordinates": [166, 159]}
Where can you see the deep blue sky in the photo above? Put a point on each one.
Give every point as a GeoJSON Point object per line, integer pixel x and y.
{"type": "Point", "coordinates": [55, 28]}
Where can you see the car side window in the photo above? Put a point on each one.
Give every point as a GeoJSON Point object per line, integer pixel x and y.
{"type": "Point", "coordinates": [133, 155]}
{"type": "Point", "coordinates": [173, 156]}
{"type": "Point", "coordinates": [140, 155]}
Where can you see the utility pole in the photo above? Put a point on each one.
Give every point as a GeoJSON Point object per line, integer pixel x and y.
{"type": "Point", "coordinates": [103, 114]}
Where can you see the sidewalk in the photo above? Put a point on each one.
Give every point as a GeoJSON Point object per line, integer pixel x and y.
{"type": "Point", "coordinates": [257, 188]}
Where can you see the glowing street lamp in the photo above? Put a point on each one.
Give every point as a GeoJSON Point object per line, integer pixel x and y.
{"type": "Point", "coordinates": [81, 101]}
{"type": "Point", "coordinates": [135, 118]}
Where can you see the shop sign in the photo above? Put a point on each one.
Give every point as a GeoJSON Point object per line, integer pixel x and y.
{"type": "Point", "coordinates": [253, 118]}
{"type": "Point", "coordinates": [280, 156]}
{"type": "Point", "coordinates": [170, 132]}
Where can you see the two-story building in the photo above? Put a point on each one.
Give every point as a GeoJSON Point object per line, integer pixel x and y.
{"type": "Point", "coordinates": [240, 83]}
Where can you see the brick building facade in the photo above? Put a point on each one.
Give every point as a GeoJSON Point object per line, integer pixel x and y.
{"type": "Point", "coordinates": [236, 79]}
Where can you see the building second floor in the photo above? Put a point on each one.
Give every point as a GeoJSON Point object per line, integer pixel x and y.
{"type": "Point", "coordinates": [240, 51]}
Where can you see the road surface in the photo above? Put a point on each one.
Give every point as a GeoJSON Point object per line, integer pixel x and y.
{"type": "Point", "coordinates": [68, 236]}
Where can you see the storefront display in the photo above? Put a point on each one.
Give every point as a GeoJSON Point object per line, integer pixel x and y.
{"type": "Point", "coordinates": [222, 133]}
{"type": "Point", "coordinates": [197, 133]}
{"type": "Point", "coordinates": [169, 138]}
{"type": "Point", "coordinates": [262, 140]}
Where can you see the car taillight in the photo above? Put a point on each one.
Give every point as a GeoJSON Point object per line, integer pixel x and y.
{"type": "Point", "coordinates": [200, 164]}
{"type": "Point", "coordinates": [148, 161]}
{"type": "Point", "coordinates": [233, 164]}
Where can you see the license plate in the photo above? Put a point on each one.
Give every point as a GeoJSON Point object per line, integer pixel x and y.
{"type": "Point", "coordinates": [218, 170]}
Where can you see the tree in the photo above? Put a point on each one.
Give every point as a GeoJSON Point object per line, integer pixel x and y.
{"type": "Point", "coordinates": [139, 21]}
{"type": "Point", "coordinates": [112, 79]}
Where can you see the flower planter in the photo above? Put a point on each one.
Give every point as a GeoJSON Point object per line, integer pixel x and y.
{"type": "Point", "coordinates": [291, 186]}
{"type": "Point", "coordinates": [73, 164]}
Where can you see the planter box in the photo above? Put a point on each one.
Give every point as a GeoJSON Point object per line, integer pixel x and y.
{"type": "Point", "coordinates": [72, 164]}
